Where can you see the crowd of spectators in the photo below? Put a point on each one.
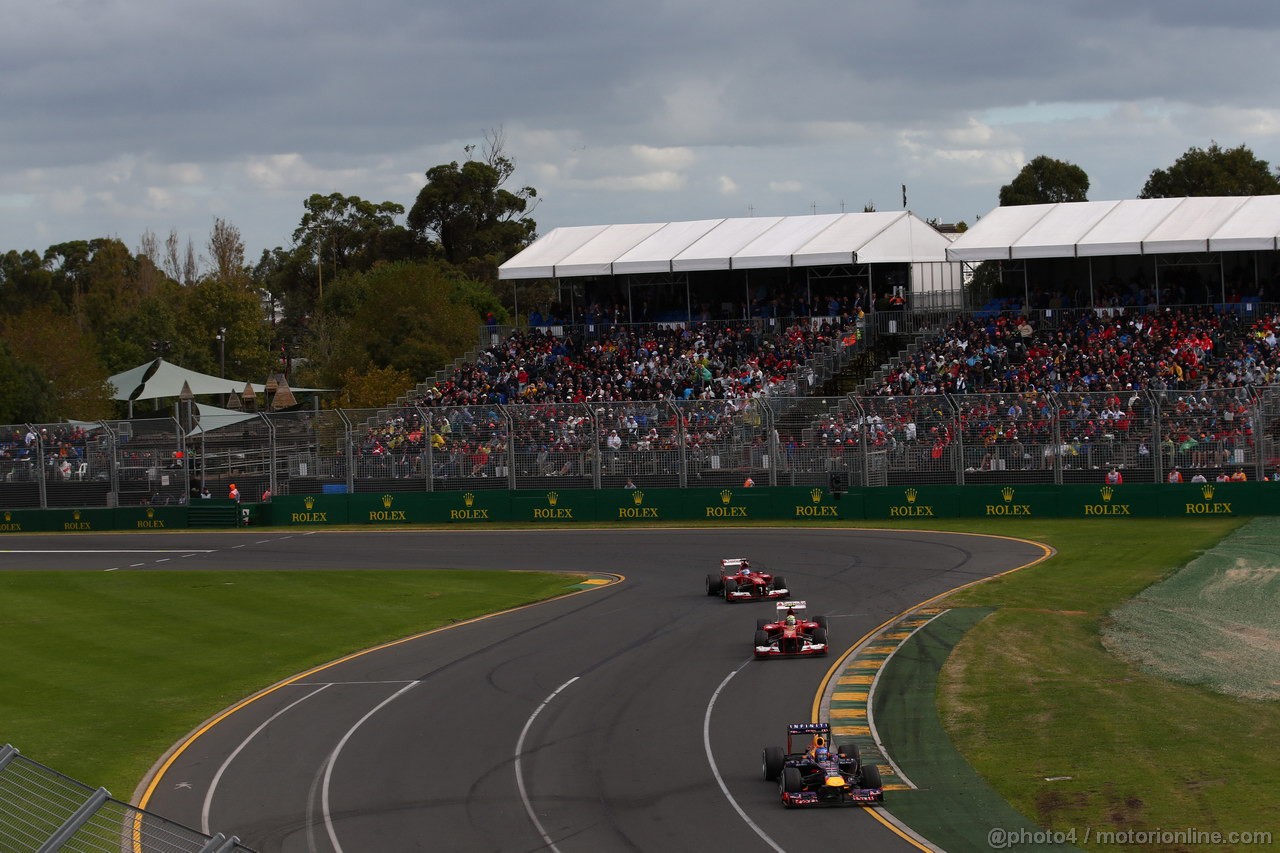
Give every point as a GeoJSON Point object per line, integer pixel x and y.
{"type": "Point", "coordinates": [1011, 377]}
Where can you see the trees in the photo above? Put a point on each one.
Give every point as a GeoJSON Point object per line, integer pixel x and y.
{"type": "Point", "coordinates": [474, 220]}
{"type": "Point", "coordinates": [1044, 181]}
{"type": "Point", "coordinates": [409, 317]}
{"type": "Point", "coordinates": [1213, 171]}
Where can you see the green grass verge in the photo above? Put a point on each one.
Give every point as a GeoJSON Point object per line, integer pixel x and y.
{"type": "Point", "coordinates": [1031, 694]}
{"type": "Point", "coordinates": [103, 672]}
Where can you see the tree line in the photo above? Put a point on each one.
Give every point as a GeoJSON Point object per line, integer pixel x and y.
{"type": "Point", "coordinates": [368, 299]}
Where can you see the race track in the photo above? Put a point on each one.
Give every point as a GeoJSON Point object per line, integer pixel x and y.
{"type": "Point", "coordinates": [627, 718]}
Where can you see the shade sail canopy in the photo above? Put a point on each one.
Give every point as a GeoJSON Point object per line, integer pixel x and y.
{"type": "Point", "coordinates": [160, 379]}
{"type": "Point", "coordinates": [1129, 227]}
{"type": "Point", "coordinates": [724, 244]}
{"type": "Point", "coordinates": [211, 418]}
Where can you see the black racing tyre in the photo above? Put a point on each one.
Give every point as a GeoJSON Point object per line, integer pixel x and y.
{"type": "Point", "coordinates": [792, 781]}
{"type": "Point", "coordinates": [779, 582]}
{"type": "Point", "coordinates": [762, 638]}
{"type": "Point", "coordinates": [849, 751]}
{"type": "Point", "coordinates": [820, 637]}
{"type": "Point", "coordinates": [760, 623]}
{"type": "Point", "coordinates": [772, 763]}
{"type": "Point", "coordinates": [730, 587]}
{"type": "Point", "coordinates": [714, 585]}
{"type": "Point", "coordinates": [822, 622]}
{"type": "Point", "coordinates": [871, 776]}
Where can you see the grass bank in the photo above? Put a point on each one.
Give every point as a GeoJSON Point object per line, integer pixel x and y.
{"type": "Point", "coordinates": [1031, 695]}
{"type": "Point", "coordinates": [103, 672]}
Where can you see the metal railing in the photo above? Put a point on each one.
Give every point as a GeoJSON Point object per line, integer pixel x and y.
{"type": "Point", "coordinates": [41, 809]}
{"type": "Point", "coordinates": [1049, 438]}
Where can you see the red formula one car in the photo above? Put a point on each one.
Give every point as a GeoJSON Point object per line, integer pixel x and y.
{"type": "Point", "coordinates": [790, 634]}
{"type": "Point", "coordinates": [811, 773]}
{"type": "Point", "coordinates": [737, 581]}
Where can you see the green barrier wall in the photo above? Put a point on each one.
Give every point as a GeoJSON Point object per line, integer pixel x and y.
{"type": "Point", "coordinates": [728, 506]}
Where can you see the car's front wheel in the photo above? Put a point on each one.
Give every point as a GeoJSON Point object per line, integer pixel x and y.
{"type": "Point", "coordinates": [772, 762]}
{"type": "Point", "coordinates": [713, 585]}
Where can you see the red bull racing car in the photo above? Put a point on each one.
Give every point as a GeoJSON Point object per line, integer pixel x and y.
{"type": "Point", "coordinates": [790, 634]}
{"type": "Point", "coordinates": [737, 581]}
{"type": "Point", "coordinates": [810, 772]}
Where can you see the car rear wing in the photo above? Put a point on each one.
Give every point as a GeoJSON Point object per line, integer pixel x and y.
{"type": "Point", "coordinates": [809, 728]}
{"type": "Point", "coordinates": [788, 606]}
{"type": "Point", "coordinates": [736, 563]}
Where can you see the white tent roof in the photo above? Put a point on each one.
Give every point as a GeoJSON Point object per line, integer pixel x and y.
{"type": "Point", "coordinates": [168, 379]}
{"type": "Point", "coordinates": [214, 418]}
{"type": "Point", "coordinates": [1130, 227]}
{"type": "Point", "coordinates": [721, 244]}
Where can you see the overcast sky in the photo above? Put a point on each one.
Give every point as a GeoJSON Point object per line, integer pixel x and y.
{"type": "Point", "coordinates": [118, 117]}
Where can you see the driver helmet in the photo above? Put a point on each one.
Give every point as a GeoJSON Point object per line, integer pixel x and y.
{"type": "Point", "coordinates": [791, 620]}
{"type": "Point", "coordinates": [821, 753]}
{"type": "Point", "coordinates": [745, 570]}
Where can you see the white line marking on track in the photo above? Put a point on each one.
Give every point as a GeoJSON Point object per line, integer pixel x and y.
{"type": "Point", "coordinates": [135, 565]}
{"type": "Point", "coordinates": [331, 683]}
{"type": "Point", "coordinates": [333, 759]}
{"type": "Point", "coordinates": [871, 695]}
{"type": "Point", "coordinates": [110, 551]}
{"type": "Point", "coordinates": [163, 560]}
{"type": "Point", "coordinates": [263, 541]}
{"type": "Point", "coordinates": [217, 777]}
{"type": "Point", "coordinates": [715, 771]}
{"type": "Point", "coordinates": [112, 569]}
{"type": "Point", "coordinates": [524, 794]}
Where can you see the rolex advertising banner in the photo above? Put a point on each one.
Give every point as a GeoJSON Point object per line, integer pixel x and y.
{"type": "Point", "coordinates": [1140, 500]}
{"type": "Point", "coordinates": [70, 520]}
{"type": "Point", "coordinates": [474, 506]}
{"type": "Point", "coordinates": [634, 505]}
{"type": "Point", "coordinates": [1009, 501]}
{"type": "Point", "coordinates": [729, 504]}
{"type": "Point", "coordinates": [554, 505]}
{"type": "Point", "coordinates": [387, 508]}
{"type": "Point", "coordinates": [24, 521]}
{"type": "Point", "coordinates": [911, 502]}
{"type": "Point", "coordinates": [1195, 500]}
{"type": "Point", "coordinates": [309, 510]}
{"type": "Point", "coordinates": [815, 504]}
{"type": "Point", "coordinates": [151, 518]}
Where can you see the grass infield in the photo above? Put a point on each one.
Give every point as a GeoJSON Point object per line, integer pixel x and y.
{"type": "Point", "coordinates": [103, 672]}
{"type": "Point", "coordinates": [1030, 694]}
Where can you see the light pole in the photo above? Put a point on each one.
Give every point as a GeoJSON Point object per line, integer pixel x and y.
{"type": "Point", "coordinates": [222, 352]}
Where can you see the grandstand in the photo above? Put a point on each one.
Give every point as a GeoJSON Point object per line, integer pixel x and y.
{"type": "Point", "coordinates": [790, 351]}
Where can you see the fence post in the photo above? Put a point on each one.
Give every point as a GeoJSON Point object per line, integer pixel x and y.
{"type": "Point", "coordinates": [1056, 431]}
{"type": "Point", "coordinates": [39, 467]}
{"type": "Point", "coordinates": [682, 444]}
{"type": "Point", "coordinates": [348, 453]}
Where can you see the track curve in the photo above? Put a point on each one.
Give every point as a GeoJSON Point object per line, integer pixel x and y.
{"type": "Point", "coordinates": [574, 725]}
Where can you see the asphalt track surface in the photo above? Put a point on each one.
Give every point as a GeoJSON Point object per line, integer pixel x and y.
{"type": "Point", "coordinates": [626, 718]}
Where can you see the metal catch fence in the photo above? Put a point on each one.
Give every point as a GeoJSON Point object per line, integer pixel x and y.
{"type": "Point", "coordinates": [1047, 438]}
{"type": "Point", "coordinates": [41, 809]}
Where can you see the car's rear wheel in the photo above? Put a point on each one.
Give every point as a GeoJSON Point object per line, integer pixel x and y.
{"type": "Point", "coordinates": [871, 776]}
{"type": "Point", "coordinates": [792, 781]}
{"type": "Point", "coordinates": [779, 582]}
{"type": "Point", "coordinates": [772, 763]}
{"type": "Point", "coordinates": [820, 638]}
{"type": "Point", "coordinates": [714, 585]}
{"type": "Point", "coordinates": [730, 587]}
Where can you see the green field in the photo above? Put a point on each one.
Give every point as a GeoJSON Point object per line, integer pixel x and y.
{"type": "Point", "coordinates": [103, 672]}
{"type": "Point", "coordinates": [1031, 694]}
